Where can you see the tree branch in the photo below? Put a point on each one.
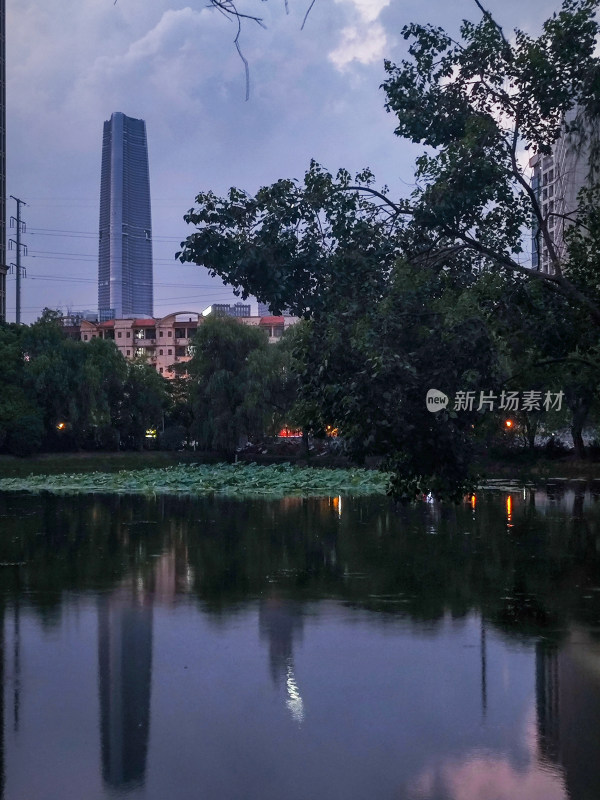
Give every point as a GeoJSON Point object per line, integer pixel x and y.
{"type": "Point", "coordinates": [398, 209]}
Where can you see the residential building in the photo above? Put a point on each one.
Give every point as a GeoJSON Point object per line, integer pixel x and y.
{"type": "Point", "coordinates": [557, 180]}
{"type": "Point", "coordinates": [125, 285]}
{"type": "Point", "coordinates": [165, 343]}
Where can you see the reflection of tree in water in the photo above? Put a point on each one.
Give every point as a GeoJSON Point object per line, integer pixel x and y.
{"type": "Point", "coordinates": [281, 621]}
{"type": "Point", "coordinates": [419, 564]}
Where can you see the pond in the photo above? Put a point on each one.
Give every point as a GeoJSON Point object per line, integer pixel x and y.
{"type": "Point", "coordinates": [182, 648]}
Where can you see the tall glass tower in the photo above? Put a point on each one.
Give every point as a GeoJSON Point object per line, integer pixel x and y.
{"type": "Point", "coordinates": [125, 250]}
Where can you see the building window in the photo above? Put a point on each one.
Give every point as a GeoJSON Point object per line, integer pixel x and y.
{"type": "Point", "coordinates": [129, 334]}
{"type": "Point", "coordinates": [169, 352]}
{"type": "Point", "coordinates": [160, 333]}
{"type": "Point", "coordinates": [119, 334]}
{"type": "Point", "coordinates": [160, 352]}
{"type": "Point", "coordinates": [129, 352]}
{"type": "Point", "coordinates": [85, 337]}
{"type": "Point", "coordinates": [180, 333]}
{"type": "Point", "coordinates": [160, 369]}
{"type": "Point", "coordinates": [170, 333]}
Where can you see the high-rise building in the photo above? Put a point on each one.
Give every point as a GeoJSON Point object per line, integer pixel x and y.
{"type": "Point", "coordinates": [227, 310]}
{"type": "Point", "coordinates": [2, 165]}
{"type": "Point", "coordinates": [557, 180]}
{"type": "Point", "coordinates": [265, 310]}
{"type": "Point", "coordinates": [125, 251]}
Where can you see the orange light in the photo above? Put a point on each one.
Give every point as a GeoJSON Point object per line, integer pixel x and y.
{"type": "Point", "coordinates": [509, 423]}
{"type": "Point", "coordinates": [473, 501]}
{"type": "Point", "coordinates": [509, 507]}
{"type": "Point", "coordinates": [61, 426]}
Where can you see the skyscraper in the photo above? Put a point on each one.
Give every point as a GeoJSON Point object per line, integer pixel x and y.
{"type": "Point", "coordinates": [556, 180]}
{"type": "Point", "coordinates": [125, 250]}
{"type": "Point", "coordinates": [2, 166]}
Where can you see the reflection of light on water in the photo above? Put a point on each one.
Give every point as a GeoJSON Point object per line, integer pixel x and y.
{"type": "Point", "coordinates": [509, 511]}
{"type": "Point", "coordinates": [337, 504]}
{"type": "Point", "coordinates": [294, 701]}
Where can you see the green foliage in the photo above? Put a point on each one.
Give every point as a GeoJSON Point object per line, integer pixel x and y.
{"type": "Point", "coordinates": [435, 292]}
{"type": "Point", "coordinates": [478, 102]}
{"type": "Point", "coordinates": [238, 480]}
{"type": "Point", "coordinates": [144, 397]}
{"type": "Point", "coordinates": [227, 357]}
{"type": "Point", "coordinates": [292, 244]}
{"type": "Point", "coordinates": [85, 387]}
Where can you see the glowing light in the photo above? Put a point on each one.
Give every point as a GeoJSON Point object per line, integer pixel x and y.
{"type": "Point", "coordinates": [509, 423]}
{"type": "Point", "coordinates": [294, 701]}
{"type": "Point", "coordinates": [331, 431]}
{"type": "Point", "coordinates": [337, 504]}
{"type": "Point", "coordinates": [473, 501]}
{"type": "Point", "coordinates": [509, 507]}
{"type": "Point", "coordinates": [151, 433]}
{"type": "Point", "coordinates": [61, 426]}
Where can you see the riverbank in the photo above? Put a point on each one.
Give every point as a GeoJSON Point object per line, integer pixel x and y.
{"type": "Point", "coordinates": [524, 470]}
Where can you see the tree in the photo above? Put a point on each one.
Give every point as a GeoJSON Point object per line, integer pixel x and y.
{"type": "Point", "coordinates": [341, 252]}
{"type": "Point", "coordinates": [479, 104]}
{"type": "Point", "coordinates": [303, 246]}
{"type": "Point", "coordinates": [219, 371]}
{"type": "Point", "coordinates": [143, 402]}
{"type": "Point", "coordinates": [368, 374]}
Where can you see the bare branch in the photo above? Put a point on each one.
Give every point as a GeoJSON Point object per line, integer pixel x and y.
{"type": "Point", "coordinates": [306, 15]}
{"type": "Point", "coordinates": [489, 17]}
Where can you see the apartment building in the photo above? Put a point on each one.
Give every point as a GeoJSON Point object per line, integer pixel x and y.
{"type": "Point", "coordinates": [165, 343]}
{"type": "Point", "coordinates": [557, 179]}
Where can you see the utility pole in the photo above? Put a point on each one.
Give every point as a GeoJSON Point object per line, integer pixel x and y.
{"type": "Point", "coordinates": [17, 222]}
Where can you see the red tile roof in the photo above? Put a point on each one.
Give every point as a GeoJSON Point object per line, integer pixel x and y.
{"type": "Point", "coordinates": [145, 323]}
{"type": "Point", "coordinates": [271, 321]}
{"type": "Point", "coordinates": [110, 323]}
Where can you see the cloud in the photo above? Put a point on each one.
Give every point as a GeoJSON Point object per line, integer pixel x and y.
{"type": "Point", "coordinates": [368, 10]}
{"type": "Point", "coordinates": [364, 40]}
{"type": "Point", "coordinates": [363, 44]}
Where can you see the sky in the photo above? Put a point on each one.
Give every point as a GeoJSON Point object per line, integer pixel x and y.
{"type": "Point", "coordinates": [314, 93]}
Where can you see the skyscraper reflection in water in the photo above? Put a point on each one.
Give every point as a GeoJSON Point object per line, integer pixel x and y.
{"type": "Point", "coordinates": [279, 620]}
{"type": "Point", "coordinates": [125, 671]}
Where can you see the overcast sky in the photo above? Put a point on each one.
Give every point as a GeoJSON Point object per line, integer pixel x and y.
{"type": "Point", "coordinates": [314, 94]}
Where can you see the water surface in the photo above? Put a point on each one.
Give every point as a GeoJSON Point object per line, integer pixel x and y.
{"type": "Point", "coordinates": [303, 648]}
